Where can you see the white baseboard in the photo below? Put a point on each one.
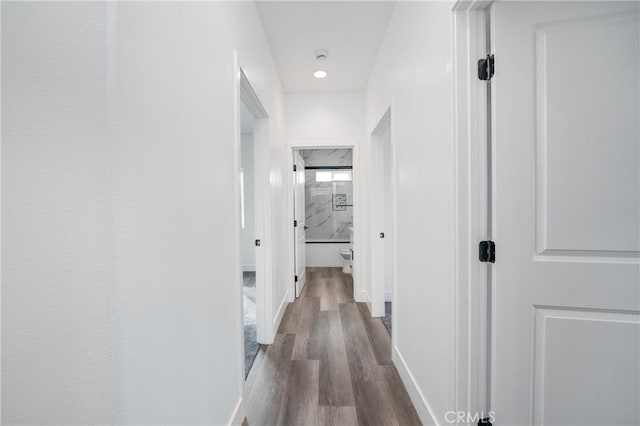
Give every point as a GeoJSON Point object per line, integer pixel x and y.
{"type": "Point", "coordinates": [304, 284]}
{"type": "Point", "coordinates": [278, 317]}
{"type": "Point", "coordinates": [237, 417]}
{"type": "Point", "coordinates": [366, 298]}
{"type": "Point", "coordinates": [418, 399]}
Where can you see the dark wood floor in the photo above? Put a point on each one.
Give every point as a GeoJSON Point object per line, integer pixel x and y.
{"type": "Point", "coordinates": [329, 364]}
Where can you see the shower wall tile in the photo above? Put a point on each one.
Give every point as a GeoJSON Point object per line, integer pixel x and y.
{"type": "Point", "coordinates": [327, 157]}
{"type": "Point", "coordinates": [323, 221]}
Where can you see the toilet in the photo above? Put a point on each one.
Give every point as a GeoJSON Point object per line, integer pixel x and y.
{"type": "Point", "coordinates": [346, 260]}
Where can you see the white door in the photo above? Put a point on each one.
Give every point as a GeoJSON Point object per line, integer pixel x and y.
{"type": "Point", "coordinates": [566, 333]}
{"type": "Point", "coordinates": [299, 218]}
{"type": "Point", "coordinates": [381, 217]}
{"type": "Point", "coordinates": [377, 227]}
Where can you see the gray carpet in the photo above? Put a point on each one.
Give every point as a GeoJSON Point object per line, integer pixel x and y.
{"type": "Point", "coordinates": [250, 339]}
{"type": "Point", "coordinates": [387, 316]}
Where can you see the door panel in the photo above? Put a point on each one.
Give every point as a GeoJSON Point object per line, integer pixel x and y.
{"type": "Point", "coordinates": [299, 217]}
{"type": "Point", "coordinates": [566, 299]}
{"type": "Point", "coordinates": [586, 204]}
{"type": "Point", "coordinates": [577, 348]}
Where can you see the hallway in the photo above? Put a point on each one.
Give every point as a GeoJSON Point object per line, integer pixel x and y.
{"type": "Point", "coordinates": [330, 364]}
{"type": "Point", "coordinates": [184, 183]}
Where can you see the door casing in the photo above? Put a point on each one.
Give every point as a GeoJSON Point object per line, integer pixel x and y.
{"type": "Point", "coordinates": [378, 221]}
{"type": "Point", "coordinates": [300, 252]}
{"type": "Point", "coordinates": [472, 350]}
{"type": "Point", "coordinates": [360, 257]}
{"type": "Point", "coordinates": [471, 316]}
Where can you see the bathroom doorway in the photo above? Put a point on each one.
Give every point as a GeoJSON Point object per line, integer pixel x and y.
{"type": "Point", "coordinates": [323, 210]}
{"type": "Point", "coordinates": [382, 221]}
{"type": "Point", "coordinates": [254, 220]}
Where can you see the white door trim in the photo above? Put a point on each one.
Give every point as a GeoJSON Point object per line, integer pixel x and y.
{"type": "Point", "coordinates": [377, 286]}
{"type": "Point", "coordinates": [299, 231]}
{"type": "Point", "coordinates": [471, 347]}
{"type": "Point", "coordinates": [360, 257]}
{"type": "Point", "coordinates": [243, 92]}
{"type": "Point", "coordinates": [262, 185]}
{"type": "Point", "coordinates": [377, 209]}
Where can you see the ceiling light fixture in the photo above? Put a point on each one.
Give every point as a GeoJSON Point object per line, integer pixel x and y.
{"type": "Point", "coordinates": [320, 74]}
{"type": "Point", "coordinates": [321, 55]}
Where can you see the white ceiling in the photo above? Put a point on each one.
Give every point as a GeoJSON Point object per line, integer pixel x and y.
{"type": "Point", "coordinates": [351, 32]}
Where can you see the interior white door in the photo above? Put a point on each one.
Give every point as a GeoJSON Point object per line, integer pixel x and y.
{"type": "Point", "coordinates": [381, 215]}
{"type": "Point", "coordinates": [299, 217]}
{"type": "Point", "coordinates": [388, 217]}
{"type": "Point", "coordinates": [566, 333]}
{"type": "Point", "coordinates": [377, 227]}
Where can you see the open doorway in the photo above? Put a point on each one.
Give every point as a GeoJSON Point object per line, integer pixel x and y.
{"type": "Point", "coordinates": [323, 195]}
{"type": "Point", "coordinates": [382, 223]}
{"type": "Point", "coordinates": [254, 221]}
{"type": "Point", "coordinates": [249, 239]}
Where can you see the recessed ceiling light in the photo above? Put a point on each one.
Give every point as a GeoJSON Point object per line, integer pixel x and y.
{"type": "Point", "coordinates": [320, 74]}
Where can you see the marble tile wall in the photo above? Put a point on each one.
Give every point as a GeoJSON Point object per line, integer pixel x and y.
{"type": "Point", "coordinates": [327, 157]}
{"type": "Point", "coordinates": [326, 221]}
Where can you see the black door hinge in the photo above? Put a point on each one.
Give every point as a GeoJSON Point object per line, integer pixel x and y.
{"type": "Point", "coordinates": [295, 168]}
{"type": "Point", "coordinates": [485, 422]}
{"type": "Point", "coordinates": [295, 278]}
{"type": "Point", "coordinates": [487, 251]}
{"type": "Point", "coordinates": [486, 68]}
{"type": "Point", "coordinates": [258, 242]}
{"type": "Point", "coordinates": [295, 223]}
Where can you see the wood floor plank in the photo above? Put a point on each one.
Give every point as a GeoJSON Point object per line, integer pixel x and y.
{"type": "Point", "coordinates": [335, 379]}
{"type": "Point", "coordinates": [337, 416]}
{"type": "Point", "coordinates": [346, 289]}
{"type": "Point", "coordinates": [316, 288]}
{"type": "Point", "coordinates": [406, 413]}
{"type": "Point", "coordinates": [314, 273]}
{"type": "Point", "coordinates": [377, 334]}
{"type": "Point", "coordinates": [362, 361]}
{"type": "Point", "coordinates": [289, 322]}
{"type": "Point", "coordinates": [327, 367]}
{"type": "Point", "coordinates": [329, 299]}
{"type": "Point", "coordinates": [308, 306]}
{"type": "Point", "coordinates": [301, 404]}
{"type": "Point", "coordinates": [255, 372]}
{"type": "Point", "coordinates": [270, 385]}
{"type": "Point", "coordinates": [349, 280]}
{"type": "Point", "coordinates": [372, 404]}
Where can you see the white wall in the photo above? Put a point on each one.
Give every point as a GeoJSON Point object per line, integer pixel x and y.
{"type": "Point", "coordinates": [178, 301]}
{"type": "Point", "coordinates": [325, 254]}
{"type": "Point", "coordinates": [57, 215]}
{"type": "Point", "coordinates": [319, 119]}
{"type": "Point", "coordinates": [121, 296]}
{"type": "Point", "coordinates": [413, 71]}
{"type": "Point", "coordinates": [249, 231]}
{"type": "Point", "coordinates": [323, 116]}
